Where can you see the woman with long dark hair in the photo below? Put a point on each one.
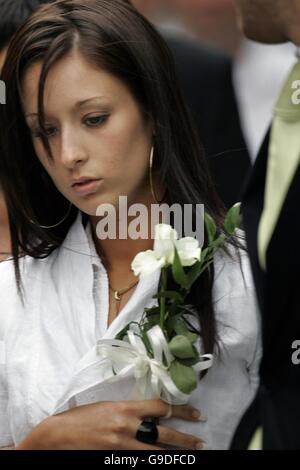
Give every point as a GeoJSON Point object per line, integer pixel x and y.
{"type": "Point", "coordinates": [93, 113]}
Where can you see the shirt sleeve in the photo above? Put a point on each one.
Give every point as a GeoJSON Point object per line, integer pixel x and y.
{"type": "Point", "coordinates": [239, 310]}
{"type": "Point", "coordinates": [5, 434]}
{"type": "Point", "coordinates": [7, 289]}
{"type": "Point", "coordinates": [255, 346]}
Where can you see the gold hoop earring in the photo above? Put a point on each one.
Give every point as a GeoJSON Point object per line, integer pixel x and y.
{"type": "Point", "coordinates": [55, 225]}
{"type": "Point", "coordinates": [151, 179]}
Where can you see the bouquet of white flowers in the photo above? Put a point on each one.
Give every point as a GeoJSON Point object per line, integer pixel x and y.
{"type": "Point", "coordinates": [161, 347]}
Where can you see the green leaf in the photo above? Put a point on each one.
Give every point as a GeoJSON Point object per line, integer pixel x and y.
{"type": "Point", "coordinates": [121, 335]}
{"type": "Point", "coordinates": [171, 323]}
{"type": "Point", "coordinates": [181, 347]}
{"type": "Point", "coordinates": [207, 257]}
{"type": "Point", "coordinates": [184, 377]}
{"type": "Point", "coordinates": [233, 219]}
{"type": "Point", "coordinates": [151, 321]}
{"type": "Point", "coordinates": [189, 362]}
{"type": "Point", "coordinates": [174, 309]}
{"type": "Point", "coordinates": [192, 337]}
{"type": "Point", "coordinates": [218, 242]}
{"type": "Point", "coordinates": [178, 272]}
{"type": "Point", "coordinates": [204, 254]}
{"type": "Point", "coordinates": [210, 227]}
{"type": "Point", "coordinates": [181, 328]}
{"type": "Point", "coordinates": [123, 332]}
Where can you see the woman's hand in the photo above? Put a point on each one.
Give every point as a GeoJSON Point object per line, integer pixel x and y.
{"type": "Point", "coordinates": [111, 425]}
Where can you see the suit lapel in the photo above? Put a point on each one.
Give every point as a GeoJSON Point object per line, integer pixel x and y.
{"type": "Point", "coordinates": [285, 238]}
{"type": "Point", "coordinates": [252, 207]}
{"type": "Point", "coordinates": [283, 243]}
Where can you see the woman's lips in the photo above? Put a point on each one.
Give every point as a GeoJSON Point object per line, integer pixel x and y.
{"type": "Point", "coordinates": [86, 188]}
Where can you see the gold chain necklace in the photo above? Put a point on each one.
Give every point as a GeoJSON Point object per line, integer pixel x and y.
{"type": "Point", "coordinates": [120, 292]}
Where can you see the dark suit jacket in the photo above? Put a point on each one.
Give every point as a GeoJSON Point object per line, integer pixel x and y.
{"type": "Point", "coordinates": [205, 78]}
{"type": "Point", "coordinates": [277, 406]}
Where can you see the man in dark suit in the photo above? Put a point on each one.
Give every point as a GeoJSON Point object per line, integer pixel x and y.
{"type": "Point", "coordinates": [270, 212]}
{"type": "Point", "coordinates": [205, 77]}
{"type": "Point", "coordinates": [204, 74]}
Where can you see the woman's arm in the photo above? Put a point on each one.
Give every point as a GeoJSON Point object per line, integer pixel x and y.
{"type": "Point", "coordinates": [45, 436]}
{"type": "Point", "coordinates": [5, 434]}
{"type": "Point", "coordinates": [109, 425]}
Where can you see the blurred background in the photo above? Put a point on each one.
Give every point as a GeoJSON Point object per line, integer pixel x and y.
{"type": "Point", "coordinates": [258, 71]}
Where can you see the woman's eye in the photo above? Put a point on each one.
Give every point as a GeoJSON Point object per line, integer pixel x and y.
{"type": "Point", "coordinates": [48, 132]}
{"type": "Point", "coordinates": [95, 121]}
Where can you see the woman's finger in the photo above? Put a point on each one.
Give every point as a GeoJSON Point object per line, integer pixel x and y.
{"type": "Point", "coordinates": [160, 409]}
{"type": "Point", "coordinates": [171, 437]}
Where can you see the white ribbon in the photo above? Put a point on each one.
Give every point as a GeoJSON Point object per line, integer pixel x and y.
{"type": "Point", "coordinates": [149, 372]}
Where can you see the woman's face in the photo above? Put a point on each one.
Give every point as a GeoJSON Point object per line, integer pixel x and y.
{"type": "Point", "coordinates": [96, 131]}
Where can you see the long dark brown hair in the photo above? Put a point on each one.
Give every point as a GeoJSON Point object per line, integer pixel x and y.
{"type": "Point", "coordinates": [113, 35]}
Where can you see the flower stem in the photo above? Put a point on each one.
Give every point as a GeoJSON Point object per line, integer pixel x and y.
{"type": "Point", "coordinates": [163, 299]}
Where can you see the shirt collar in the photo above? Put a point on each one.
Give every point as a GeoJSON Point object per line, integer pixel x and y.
{"type": "Point", "coordinates": [95, 258]}
{"type": "Point", "coordinates": [81, 240]}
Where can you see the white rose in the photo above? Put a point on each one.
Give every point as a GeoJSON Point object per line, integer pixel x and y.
{"type": "Point", "coordinates": [165, 237]}
{"type": "Point", "coordinates": [188, 251]}
{"type": "Point", "coordinates": [146, 263]}
{"type": "Point", "coordinates": [162, 255]}
{"type": "Point", "coordinates": [165, 232]}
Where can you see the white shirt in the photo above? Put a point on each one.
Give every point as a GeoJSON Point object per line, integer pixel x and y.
{"type": "Point", "coordinates": [259, 73]}
{"type": "Point", "coordinates": [48, 358]}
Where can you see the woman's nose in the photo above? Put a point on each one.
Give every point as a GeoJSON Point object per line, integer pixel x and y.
{"type": "Point", "coordinates": [72, 152]}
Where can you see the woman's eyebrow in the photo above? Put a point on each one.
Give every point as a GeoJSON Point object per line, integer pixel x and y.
{"type": "Point", "coordinates": [88, 100]}
{"type": "Point", "coordinates": [79, 104]}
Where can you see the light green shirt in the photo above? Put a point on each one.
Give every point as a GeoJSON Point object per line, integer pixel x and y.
{"type": "Point", "coordinates": [283, 160]}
